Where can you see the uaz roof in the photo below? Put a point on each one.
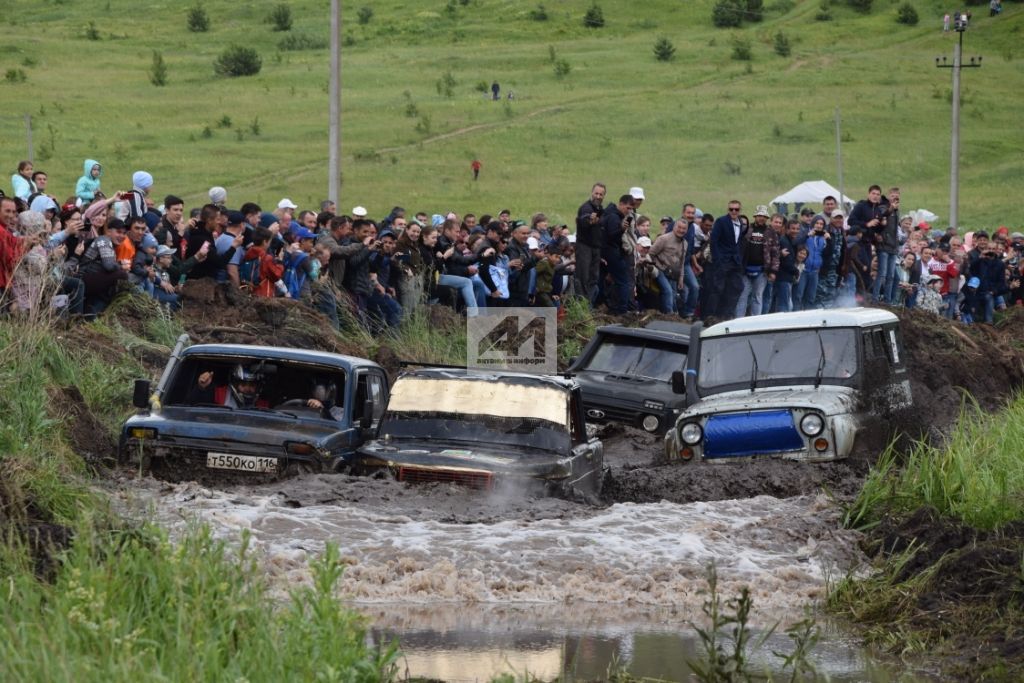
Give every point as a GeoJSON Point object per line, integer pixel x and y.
{"type": "Point", "coordinates": [799, 320]}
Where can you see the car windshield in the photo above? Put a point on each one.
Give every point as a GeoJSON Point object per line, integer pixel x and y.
{"type": "Point", "coordinates": [258, 384]}
{"type": "Point", "coordinates": [473, 411]}
{"type": "Point", "coordinates": [782, 357]}
{"type": "Point", "coordinates": [637, 357]}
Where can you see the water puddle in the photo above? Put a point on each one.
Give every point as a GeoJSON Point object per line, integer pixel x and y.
{"type": "Point", "coordinates": [472, 585]}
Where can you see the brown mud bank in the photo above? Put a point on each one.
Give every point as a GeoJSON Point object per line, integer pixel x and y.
{"type": "Point", "coordinates": [956, 590]}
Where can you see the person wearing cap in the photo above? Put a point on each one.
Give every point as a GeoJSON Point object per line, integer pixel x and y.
{"type": "Point", "coordinates": [231, 241]}
{"type": "Point", "coordinates": [832, 274]}
{"type": "Point", "coordinates": [666, 223]}
{"type": "Point", "coordinates": [806, 221]}
{"type": "Point", "coordinates": [163, 285]}
{"type": "Point", "coordinates": [759, 254]}
{"type": "Point", "coordinates": [589, 239]}
{"type": "Point", "coordinates": [928, 297]}
{"type": "Point", "coordinates": [669, 256]}
{"type": "Point", "coordinates": [142, 185]}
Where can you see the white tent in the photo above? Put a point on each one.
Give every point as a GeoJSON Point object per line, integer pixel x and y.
{"type": "Point", "coordinates": [811, 192]}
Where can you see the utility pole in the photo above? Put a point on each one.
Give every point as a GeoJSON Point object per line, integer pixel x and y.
{"type": "Point", "coordinates": [960, 21]}
{"type": "Point", "coordinates": [839, 162]}
{"type": "Point", "coordinates": [334, 93]}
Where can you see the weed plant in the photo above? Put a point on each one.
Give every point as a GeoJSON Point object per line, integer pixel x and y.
{"type": "Point", "coordinates": [976, 476]}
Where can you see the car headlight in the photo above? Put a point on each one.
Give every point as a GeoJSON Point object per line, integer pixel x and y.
{"type": "Point", "coordinates": [691, 433]}
{"type": "Point", "coordinates": [812, 424]}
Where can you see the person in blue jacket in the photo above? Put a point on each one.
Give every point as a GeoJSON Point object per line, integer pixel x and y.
{"type": "Point", "coordinates": [89, 184]}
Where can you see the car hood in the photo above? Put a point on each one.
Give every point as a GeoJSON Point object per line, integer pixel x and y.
{"type": "Point", "coordinates": [481, 457]}
{"type": "Point", "coordinates": [828, 399]}
{"type": "Point", "coordinates": [242, 426]}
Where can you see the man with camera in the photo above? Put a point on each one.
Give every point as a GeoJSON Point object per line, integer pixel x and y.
{"type": "Point", "coordinates": [616, 220]}
{"type": "Point", "coordinates": [589, 240]}
{"type": "Point", "coordinates": [887, 246]}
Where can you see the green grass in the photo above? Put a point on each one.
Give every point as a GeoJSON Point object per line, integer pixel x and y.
{"type": "Point", "coordinates": [132, 606]}
{"type": "Point", "coordinates": [702, 127]}
{"type": "Point", "coordinates": [124, 603]}
{"type": "Point", "coordinates": [976, 477]}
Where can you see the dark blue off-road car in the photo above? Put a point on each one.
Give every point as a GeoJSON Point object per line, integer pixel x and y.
{"type": "Point", "coordinates": [256, 409]}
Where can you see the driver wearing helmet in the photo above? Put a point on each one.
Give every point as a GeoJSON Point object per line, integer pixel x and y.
{"type": "Point", "coordinates": [242, 390]}
{"type": "Point", "coordinates": [324, 397]}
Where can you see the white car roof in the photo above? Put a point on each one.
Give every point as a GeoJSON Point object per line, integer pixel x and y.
{"type": "Point", "coordinates": [816, 319]}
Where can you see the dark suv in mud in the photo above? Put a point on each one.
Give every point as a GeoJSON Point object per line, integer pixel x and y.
{"type": "Point", "coordinates": [486, 429]}
{"type": "Point", "coordinates": [255, 409]}
{"type": "Point", "coordinates": [626, 374]}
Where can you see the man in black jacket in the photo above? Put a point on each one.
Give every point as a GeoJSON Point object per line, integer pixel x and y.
{"type": "Point", "coordinates": [357, 268]}
{"type": "Point", "coordinates": [589, 240]}
{"type": "Point", "coordinates": [521, 262]}
{"type": "Point", "coordinates": [617, 218]}
{"type": "Point", "coordinates": [887, 247]}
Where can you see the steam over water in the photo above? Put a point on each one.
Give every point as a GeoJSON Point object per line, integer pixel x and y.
{"type": "Point", "coordinates": [445, 545]}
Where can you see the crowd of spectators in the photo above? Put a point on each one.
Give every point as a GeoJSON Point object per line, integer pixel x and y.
{"type": "Point", "coordinates": [73, 255]}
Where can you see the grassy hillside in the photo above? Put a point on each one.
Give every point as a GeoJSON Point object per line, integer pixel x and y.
{"type": "Point", "coordinates": [703, 127]}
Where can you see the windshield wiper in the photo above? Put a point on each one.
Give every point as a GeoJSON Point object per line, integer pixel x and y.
{"type": "Point", "coordinates": [821, 363]}
{"type": "Point", "coordinates": [753, 370]}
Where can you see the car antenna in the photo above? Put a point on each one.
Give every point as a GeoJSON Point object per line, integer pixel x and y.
{"type": "Point", "coordinates": [821, 362]}
{"type": "Point", "coordinates": [753, 371]}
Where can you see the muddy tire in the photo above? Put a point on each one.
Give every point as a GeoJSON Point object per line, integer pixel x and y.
{"type": "Point", "coordinates": [298, 468]}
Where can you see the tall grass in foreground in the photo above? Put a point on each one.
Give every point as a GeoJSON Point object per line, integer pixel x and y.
{"type": "Point", "coordinates": [132, 606]}
{"type": "Point", "coordinates": [977, 476]}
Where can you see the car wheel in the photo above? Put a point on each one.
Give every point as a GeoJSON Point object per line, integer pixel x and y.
{"type": "Point", "coordinates": [301, 467]}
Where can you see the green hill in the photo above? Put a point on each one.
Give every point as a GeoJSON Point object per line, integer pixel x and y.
{"type": "Point", "coordinates": [702, 127]}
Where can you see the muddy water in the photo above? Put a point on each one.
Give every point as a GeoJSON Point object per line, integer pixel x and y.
{"type": "Point", "coordinates": [466, 578]}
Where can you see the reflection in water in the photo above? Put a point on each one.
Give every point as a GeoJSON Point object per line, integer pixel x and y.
{"type": "Point", "coordinates": [485, 641]}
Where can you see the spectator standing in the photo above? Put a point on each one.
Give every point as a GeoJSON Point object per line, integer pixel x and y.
{"type": "Point", "coordinates": [616, 220]}
{"type": "Point", "coordinates": [669, 254]}
{"type": "Point", "coordinates": [589, 240]}
{"type": "Point", "coordinates": [475, 166]}
{"type": "Point", "coordinates": [759, 252]}
{"type": "Point", "coordinates": [521, 263]}
{"type": "Point", "coordinates": [691, 266]}
{"type": "Point", "coordinates": [726, 269]}
{"type": "Point", "coordinates": [887, 243]}
{"type": "Point", "coordinates": [833, 262]}
{"type": "Point", "coordinates": [789, 271]}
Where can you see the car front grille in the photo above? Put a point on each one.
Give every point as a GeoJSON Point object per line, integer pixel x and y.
{"type": "Point", "coordinates": [483, 481]}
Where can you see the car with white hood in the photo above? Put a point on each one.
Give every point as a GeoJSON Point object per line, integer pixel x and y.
{"type": "Point", "coordinates": [798, 386]}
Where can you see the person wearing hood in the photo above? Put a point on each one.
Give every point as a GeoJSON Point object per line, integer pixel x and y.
{"type": "Point", "coordinates": [21, 182]}
{"type": "Point", "coordinates": [142, 183]}
{"type": "Point", "coordinates": [89, 184]}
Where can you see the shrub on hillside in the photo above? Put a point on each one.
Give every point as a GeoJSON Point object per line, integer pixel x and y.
{"type": "Point", "coordinates": [281, 17]}
{"type": "Point", "coordinates": [727, 13]}
{"type": "Point", "coordinates": [741, 49]}
{"type": "Point", "coordinates": [755, 10]}
{"type": "Point", "coordinates": [562, 67]}
{"type": "Point", "coordinates": [781, 44]}
{"type": "Point", "coordinates": [539, 13]}
{"type": "Point", "coordinates": [364, 15]}
{"type": "Point", "coordinates": [594, 18]}
{"type": "Point", "coordinates": [198, 21]}
{"type": "Point", "coordinates": [158, 71]}
{"type": "Point", "coordinates": [301, 41]}
{"type": "Point", "coordinates": [664, 50]}
{"type": "Point", "coordinates": [862, 6]}
{"type": "Point", "coordinates": [238, 60]}
{"type": "Point", "coordinates": [906, 14]}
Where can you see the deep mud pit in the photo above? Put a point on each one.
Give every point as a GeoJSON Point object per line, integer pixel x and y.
{"type": "Point", "coordinates": [465, 578]}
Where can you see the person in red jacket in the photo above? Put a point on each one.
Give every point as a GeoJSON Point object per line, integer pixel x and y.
{"type": "Point", "coordinates": [270, 269]}
{"type": "Point", "coordinates": [11, 247]}
{"type": "Point", "coordinates": [943, 266]}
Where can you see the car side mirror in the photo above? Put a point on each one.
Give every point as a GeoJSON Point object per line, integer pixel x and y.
{"type": "Point", "coordinates": [140, 395]}
{"type": "Point", "coordinates": [678, 382]}
{"type": "Point", "coordinates": [367, 419]}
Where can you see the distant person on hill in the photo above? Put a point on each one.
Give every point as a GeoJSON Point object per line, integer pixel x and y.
{"type": "Point", "coordinates": [495, 91]}
{"type": "Point", "coordinates": [476, 168]}
{"type": "Point", "coordinates": [89, 184]}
